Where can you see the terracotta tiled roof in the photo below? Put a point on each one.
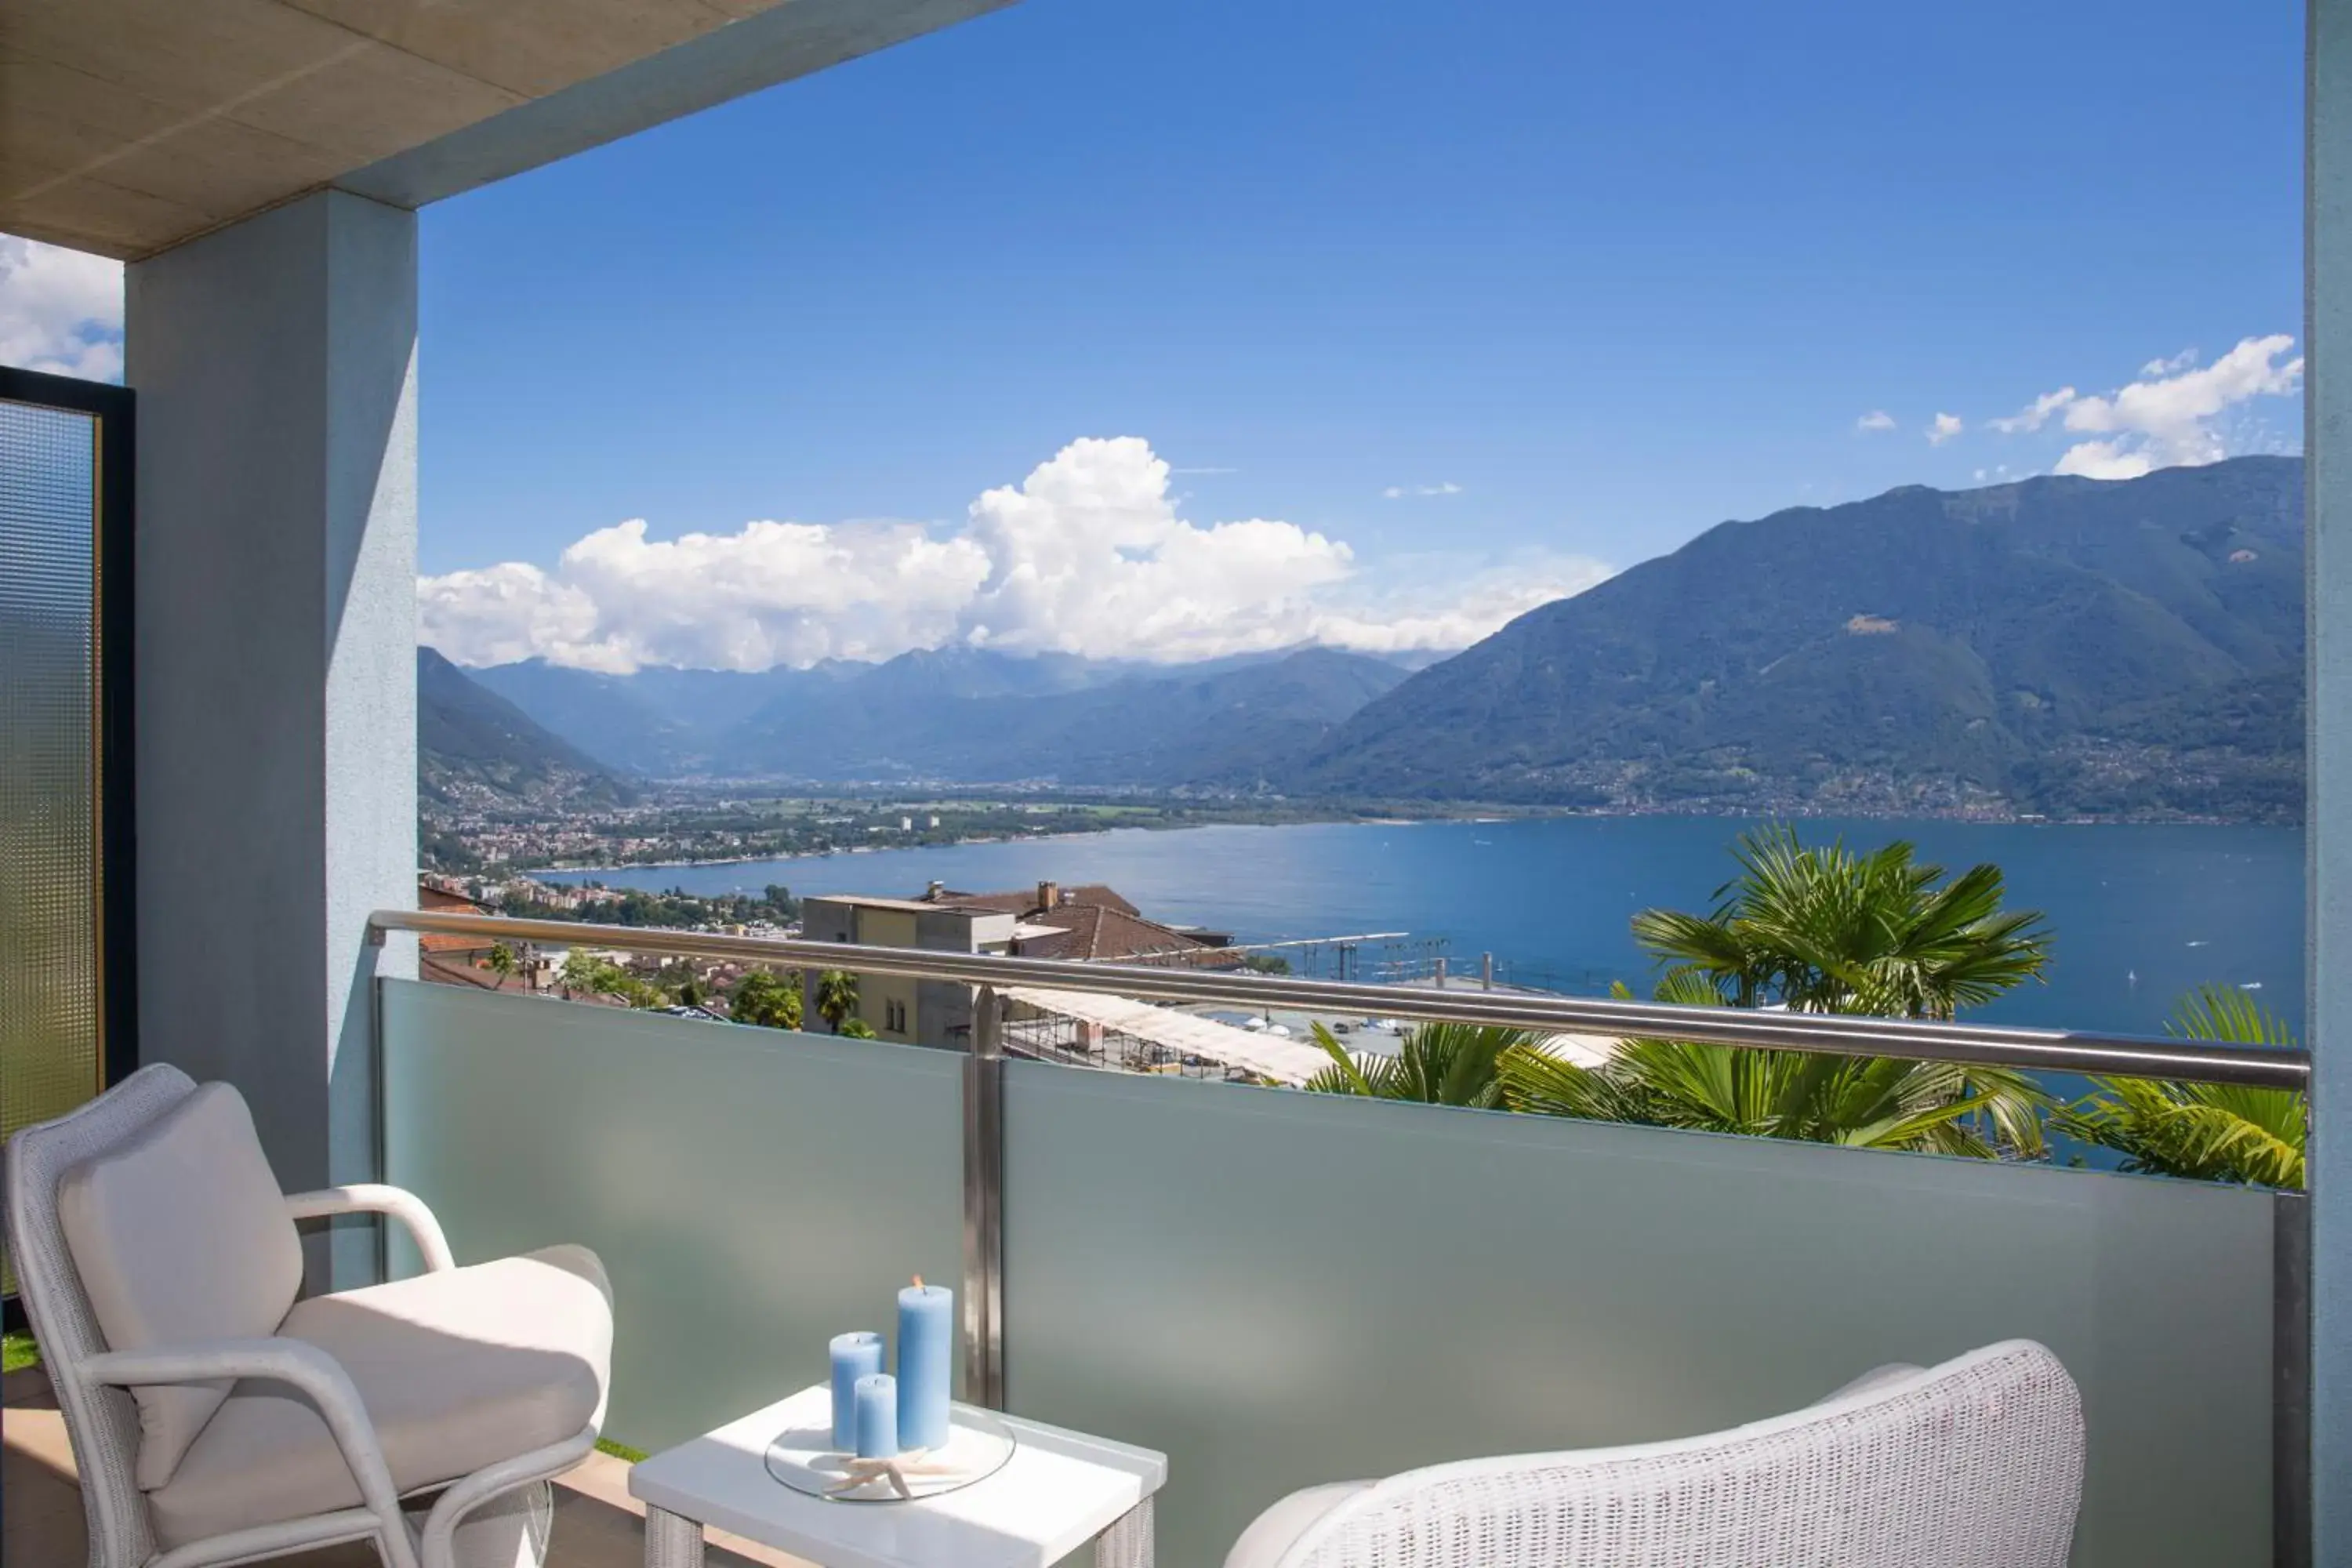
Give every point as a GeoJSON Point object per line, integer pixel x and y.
{"type": "Point", "coordinates": [1099, 931]}
{"type": "Point", "coordinates": [1024, 902]}
{"type": "Point", "coordinates": [452, 969]}
{"type": "Point", "coordinates": [442, 901]}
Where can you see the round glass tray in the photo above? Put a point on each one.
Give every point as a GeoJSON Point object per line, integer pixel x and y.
{"type": "Point", "coordinates": [978, 1445]}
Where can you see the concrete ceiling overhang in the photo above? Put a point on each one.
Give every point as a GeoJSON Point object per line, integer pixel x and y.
{"type": "Point", "coordinates": [129, 126]}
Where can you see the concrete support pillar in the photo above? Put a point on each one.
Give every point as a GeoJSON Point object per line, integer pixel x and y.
{"type": "Point", "coordinates": [2328, 446]}
{"type": "Point", "coordinates": [276, 638]}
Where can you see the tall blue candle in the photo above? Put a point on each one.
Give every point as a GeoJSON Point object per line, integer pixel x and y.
{"type": "Point", "coordinates": [926, 1349]}
{"type": "Point", "coordinates": [854, 1356]}
{"type": "Point", "coordinates": [877, 1397]}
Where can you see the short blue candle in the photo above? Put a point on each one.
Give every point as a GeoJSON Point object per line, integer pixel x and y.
{"type": "Point", "coordinates": [854, 1356]}
{"type": "Point", "coordinates": [877, 1397]}
{"type": "Point", "coordinates": [926, 1348]}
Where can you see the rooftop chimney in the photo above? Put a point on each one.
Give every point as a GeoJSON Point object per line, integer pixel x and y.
{"type": "Point", "coordinates": [1049, 894]}
{"type": "Point", "coordinates": [935, 891]}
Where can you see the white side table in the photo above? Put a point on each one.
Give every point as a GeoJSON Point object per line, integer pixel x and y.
{"type": "Point", "coordinates": [1059, 1492]}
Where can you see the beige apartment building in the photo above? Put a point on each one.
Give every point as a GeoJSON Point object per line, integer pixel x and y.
{"type": "Point", "coordinates": [919, 1012]}
{"type": "Point", "coordinates": [1086, 922]}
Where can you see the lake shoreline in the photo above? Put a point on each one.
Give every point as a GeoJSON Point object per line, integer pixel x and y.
{"type": "Point", "coordinates": [1467, 815]}
{"type": "Point", "coordinates": [2141, 913]}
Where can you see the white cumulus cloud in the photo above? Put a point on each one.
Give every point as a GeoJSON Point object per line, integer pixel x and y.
{"type": "Point", "coordinates": [1944, 427]}
{"type": "Point", "coordinates": [1877, 419]}
{"type": "Point", "coordinates": [1087, 555]}
{"type": "Point", "coordinates": [60, 310]}
{"type": "Point", "coordinates": [2103, 460]}
{"type": "Point", "coordinates": [2034, 414]}
{"type": "Point", "coordinates": [772, 592]}
{"type": "Point", "coordinates": [2175, 417]}
{"type": "Point", "coordinates": [1412, 603]}
{"type": "Point", "coordinates": [2178, 414]}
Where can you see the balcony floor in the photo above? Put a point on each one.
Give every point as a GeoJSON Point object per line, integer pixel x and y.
{"type": "Point", "coordinates": [597, 1523]}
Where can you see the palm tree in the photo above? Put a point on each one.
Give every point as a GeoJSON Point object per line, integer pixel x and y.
{"type": "Point", "coordinates": [1829, 931]}
{"type": "Point", "coordinates": [1436, 1064]}
{"type": "Point", "coordinates": [766, 999]}
{"type": "Point", "coordinates": [1820, 930]}
{"type": "Point", "coordinates": [1875, 1102]}
{"type": "Point", "coordinates": [836, 997]}
{"type": "Point", "coordinates": [2210, 1131]}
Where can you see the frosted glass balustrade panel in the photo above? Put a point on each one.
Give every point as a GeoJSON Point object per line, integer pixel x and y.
{"type": "Point", "coordinates": [752, 1192]}
{"type": "Point", "coordinates": [1280, 1288]}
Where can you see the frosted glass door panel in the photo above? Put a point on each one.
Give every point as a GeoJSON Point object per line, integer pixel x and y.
{"type": "Point", "coordinates": [1280, 1288]}
{"type": "Point", "coordinates": [752, 1193]}
{"type": "Point", "coordinates": [51, 986]}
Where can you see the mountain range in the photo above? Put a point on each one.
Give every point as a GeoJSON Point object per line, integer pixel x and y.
{"type": "Point", "coordinates": [2060, 644]}
{"type": "Point", "coordinates": [2056, 645]}
{"type": "Point", "coordinates": [957, 714]}
{"type": "Point", "coordinates": [474, 748]}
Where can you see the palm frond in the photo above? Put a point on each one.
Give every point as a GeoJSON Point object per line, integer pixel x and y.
{"type": "Point", "coordinates": [1437, 1064]}
{"type": "Point", "coordinates": [1345, 1075]}
{"type": "Point", "coordinates": [2226, 1013]}
{"type": "Point", "coordinates": [2215, 1132]}
{"type": "Point", "coordinates": [1823, 929]}
{"type": "Point", "coordinates": [2245, 1135]}
{"type": "Point", "coordinates": [1536, 1081]}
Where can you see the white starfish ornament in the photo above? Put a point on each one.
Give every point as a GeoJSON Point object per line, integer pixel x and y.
{"type": "Point", "coordinates": [896, 1470]}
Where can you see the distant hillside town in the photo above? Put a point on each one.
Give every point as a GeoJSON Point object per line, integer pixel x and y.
{"type": "Point", "coordinates": [1080, 923]}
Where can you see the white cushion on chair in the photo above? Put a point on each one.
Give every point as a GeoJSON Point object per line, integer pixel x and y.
{"type": "Point", "coordinates": [180, 1235]}
{"type": "Point", "coordinates": [1272, 1533]}
{"type": "Point", "coordinates": [459, 1369]}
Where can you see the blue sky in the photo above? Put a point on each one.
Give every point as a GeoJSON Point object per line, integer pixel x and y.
{"type": "Point", "coordinates": [1594, 278]}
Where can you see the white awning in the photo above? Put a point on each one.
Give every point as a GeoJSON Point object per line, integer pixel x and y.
{"type": "Point", "coordinates": [1283, 1061]}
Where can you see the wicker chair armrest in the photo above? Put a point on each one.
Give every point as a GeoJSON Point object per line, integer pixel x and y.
{"type": "Point", "coordinates": [303, 1366]}
{"type": "Point", "coordinates": [375, 1198]}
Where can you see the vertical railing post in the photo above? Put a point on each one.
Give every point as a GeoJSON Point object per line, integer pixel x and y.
{"type": "Point", "coordinates": [2290, 1381]}
{"type": "Point", "coordinates": [2328, 809]}
{"type": "Point", "coordinates": [378, 1136]}
{"type": "Point", "coordinates": [983, 1203]}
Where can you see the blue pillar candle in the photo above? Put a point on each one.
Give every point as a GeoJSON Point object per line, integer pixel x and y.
{"type": "Point", "coordinates": [876, 1399]}
{"type": "Point", "coordinates": [854, 1356]}
{"type": "Point", "coordinates": [925, 1362]}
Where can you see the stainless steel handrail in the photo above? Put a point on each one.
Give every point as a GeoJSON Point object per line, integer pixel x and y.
{"type": "Point", "coordinates": [1974, 1044]}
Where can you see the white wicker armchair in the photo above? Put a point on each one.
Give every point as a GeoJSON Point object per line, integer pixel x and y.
{"type": "Point", "coordinates": [1977, 1463]}
{"type": "Point", "coordinates": [215, 1419]}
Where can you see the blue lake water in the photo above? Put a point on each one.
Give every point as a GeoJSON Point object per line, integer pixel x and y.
{"type": "Point", "coordinates": [2140, 914]}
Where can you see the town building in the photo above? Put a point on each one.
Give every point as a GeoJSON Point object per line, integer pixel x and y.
{"type": "Point", "coordinates": [1083, 922]}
